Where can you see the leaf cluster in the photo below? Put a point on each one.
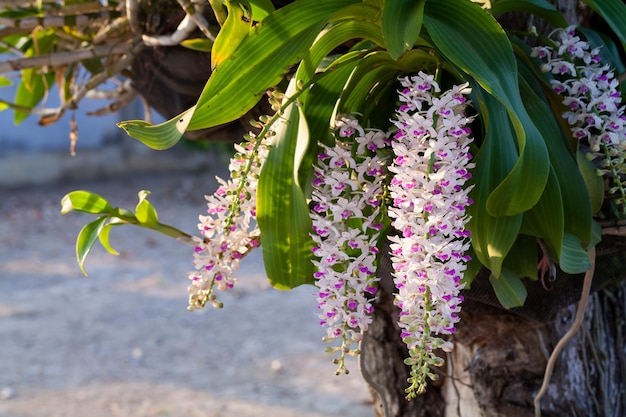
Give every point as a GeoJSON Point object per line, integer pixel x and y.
{"type": "Point", "coordinates": [530, 183]}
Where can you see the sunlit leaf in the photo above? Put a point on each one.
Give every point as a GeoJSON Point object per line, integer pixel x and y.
{"type": "Point", "coordinates": [234, 30]}
{"type": "Point", "coordinates": [282, 211]}
{"type": "Point", "coordinates": [260, 61]}
{"type": "Point", "coordinates": [85, 201]}
{"type": "Point", "coordinates": [86, 238]}
{"type": "Point", "coordinates": [198, 44]}
{"type": "Point", "coordinates": [492, 236]}
{"type": "Point", "coordinates": [104, 238]}
{"type": "Point", "coordinates": [145, 211]}
{"type": "Point", "coordinates": [260, 9]}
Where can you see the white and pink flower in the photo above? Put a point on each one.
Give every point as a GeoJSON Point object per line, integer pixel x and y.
{"type": "Point", "coordinates": [429, 198]}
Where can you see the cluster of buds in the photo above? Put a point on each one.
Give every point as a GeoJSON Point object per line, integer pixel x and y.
{"type": "Point", "coordinates": [590, 92]}
{"type": "Point", "coordinates": [428, 201]}
{"type": "Point", "coordinates": [228, 228]}
{"type": "Point", "coordinates": [347, 197]}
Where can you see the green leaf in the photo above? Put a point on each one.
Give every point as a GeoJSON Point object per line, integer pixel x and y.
{"type": "Point", "coordinates": [574, 258]}
{"type": "Point", "coordinates": [30, 91]}
{"type": "Point", "coordinates": [593, 182]}
{"type": "Point", "coordinates": [260, 62]}
{"type": "Point", "coordinates": [546, 219]}
{"type": "Point", "coordinates": [282, 211]}
{"type": "Point", "coordinates": [481, 49]}
{"type": "Point", "coordinates": [145, 211]}
{"type": "Point", "coordinates": [574, 212]}
{"type": "Point", "coordinates": [85, 201]}
{"type": "Point", "coordinates": [162, 136]}
{"type": "Point", "coordinates": [104, 238]}
{"type": "Point", "coordinates": [509, 289]}
{"type": "Point", "coordinates": [198, 44]}
{"type": "Point", "coordinates": [86, 238]}
{"type": "Point", "coordinates": [614, 13]}
{"type": "Point", "coordinates": [234, 30]}
{"type": "Point", "coordinates": [541, 8]}
{"type": "Point", "coordinates": [5, 82]}
{"type": "Point", "coordinates": [260, 9]}
{"type": "Point", "coordinates": [402, 22]}
{"type": "Point", "coordinates": [492, 236]}
{"type": "Point", "coordinates": [523, 257]}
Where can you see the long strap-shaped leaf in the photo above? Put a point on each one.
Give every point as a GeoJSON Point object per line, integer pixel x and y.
{"type": "Point", "coordinates": [492, 236]}
{"type": "Point", "coordinates": [614, 12]}
{"type": "Point", "coordinates": [260, 62]}
{"type": "Point", "coordinates": [282, 211]}
{"type": "Point", "coordinates": [480, 48]}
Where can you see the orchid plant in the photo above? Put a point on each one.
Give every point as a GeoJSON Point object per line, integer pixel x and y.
{"type": "Point", "coordinates": [419, 130]}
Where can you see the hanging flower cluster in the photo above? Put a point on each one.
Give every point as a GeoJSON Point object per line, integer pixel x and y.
{"type": "Point", "coordinates": [347, 196]}
{"type": "Point", "coordinates": [590, 92]}
{"type": "Point", "coordinates": [228, 228]}
{"type": "Point", "coordinates": [430, 167]}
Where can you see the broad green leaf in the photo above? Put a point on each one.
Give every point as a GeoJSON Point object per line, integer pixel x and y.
{"type": "Point", "coordinates": [593, 182]}
{"type": "Point", "coordinates": [145, 212]}
{"type": "Point", "coordinates": [402, 22]}
{"type": "Point", "coordinates": [376, 73]}
{"type": "Point", "coordinates": [523, 257]}
{"type": "Point", "coordinates": [509, 289]}
{"type": "Point", "coordinates": [260, 9]}
{"type": "Point", "coordinates": [282, 211]}
{"type": "Point", "coordinates": [85, 201]}
{"type": "Point", "coordinates": [86, 238]}
{"type": "Point", "coordinates": [198, 44]}
{"type": "Point", "coordinates": [574, 258]}
{"type": "Point", "coordinates": [318, 109]}
{"type": "Point", "coordinates": [541, 8]}
{"type": "Point", "coordinates": [492, 236]}
{"type": "Point", "coordinates": [234, 30]}
{"type": "Point", "coordinates": [332, 38]}
{"type": "Point", "coordinates": [5, 82]}
{"type": "Point", "coordinates": [576, 206]}
{"type": "Point", "coordinates": [162, 136]}
{"type": "Point", "coordinates": [260, 62]}
{"type": "Point", "coordinates": [481, 49]}
{"type": "Point", "coordinates": [320, 101]}
{"type": "Point", "coordinates": [104, 238]}
{"type": "Point", "coordinates": [614, 13]}
{"type": "Point", "coordinates": [29, 93]}
{"type": "Point", "coordinates": [546, 219]}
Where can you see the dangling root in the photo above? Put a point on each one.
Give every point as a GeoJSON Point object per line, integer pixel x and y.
{"type": "Point", "coordinates": [580, 314]}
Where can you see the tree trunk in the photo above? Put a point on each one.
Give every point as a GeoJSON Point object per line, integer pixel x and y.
{"type": "Point", "coordinates": [500, 356]}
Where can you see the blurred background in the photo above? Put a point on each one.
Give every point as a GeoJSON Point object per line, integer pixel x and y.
{"type": "Point", "coordinates": [120, 342]}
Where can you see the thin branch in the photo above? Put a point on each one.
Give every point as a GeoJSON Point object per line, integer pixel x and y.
{"type": "Point", "coordinates": [75, 20]}
{"type": "Point", "coordinates": [580, 314]}
{"type": "Point", "coordinates": [93, 82]}
{"type": "Point", "coordinates": [194, 10]}
{"type": "Point", "coordinates": [132, 14]}
{"type": "Point", "coordinates": [64, 58]}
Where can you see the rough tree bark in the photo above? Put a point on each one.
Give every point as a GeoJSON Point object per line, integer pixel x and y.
{"type": "Point", "coordinates": [500, 356]}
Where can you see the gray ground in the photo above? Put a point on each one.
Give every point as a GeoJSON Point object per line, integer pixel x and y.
{"type": "Point", "coordinates": [121, 343]}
